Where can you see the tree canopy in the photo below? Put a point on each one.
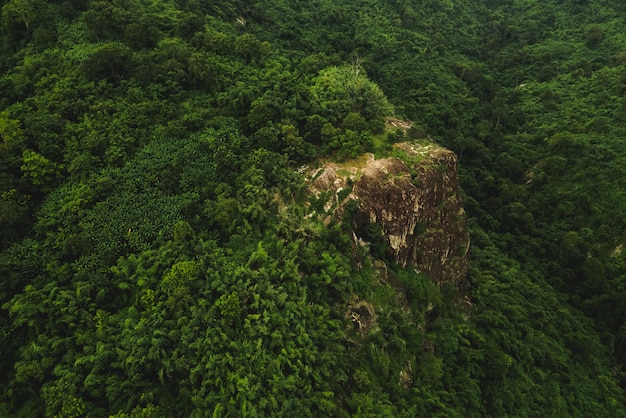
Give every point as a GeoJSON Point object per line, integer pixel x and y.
{"type": "Point", "coordinates": [159, 257]}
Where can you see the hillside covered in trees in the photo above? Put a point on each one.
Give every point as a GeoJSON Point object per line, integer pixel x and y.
{"type": "Point", "coordinates": [159, 256]}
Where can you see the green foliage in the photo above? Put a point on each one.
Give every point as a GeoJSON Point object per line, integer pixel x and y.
{"type": "Point", "coordinates": [110, 62]}
{"type": "Point", "coordinates": [24, 10]}
{"type": "Point", "coordinates": [10, 132]}
{"type": "Point", "coordinates": [38, 168]}
{"type": "Point", "coordinates": [338, 92]}
{"type": "Point", "coordinates": [155, 250]}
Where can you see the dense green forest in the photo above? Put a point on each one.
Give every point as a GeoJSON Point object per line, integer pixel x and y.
{"type": "Point", "coordinates": [158, 256]}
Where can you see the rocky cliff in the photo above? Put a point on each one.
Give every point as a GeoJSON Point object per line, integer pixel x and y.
{"type": "Point", "coordinates": [412, 198]}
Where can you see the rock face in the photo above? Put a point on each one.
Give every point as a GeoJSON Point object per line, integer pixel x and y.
{"type": "Point", "coordinates": [414, 199]}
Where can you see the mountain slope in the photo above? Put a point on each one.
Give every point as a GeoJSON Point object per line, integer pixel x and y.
{"type": "Point", "coordinates": [159, 256]}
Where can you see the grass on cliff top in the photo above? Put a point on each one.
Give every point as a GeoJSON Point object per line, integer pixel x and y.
{"type": "Point", "coordinates": [382, 143]}
{"type": "Point", "coordinates": [383, 147]}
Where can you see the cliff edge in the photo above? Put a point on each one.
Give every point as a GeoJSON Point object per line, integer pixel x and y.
{"type": "Point", "coordinates": [412, 198]}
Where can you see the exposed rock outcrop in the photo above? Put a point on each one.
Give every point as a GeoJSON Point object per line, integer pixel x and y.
{"type": "Point", "coordinates": [413, 197]}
